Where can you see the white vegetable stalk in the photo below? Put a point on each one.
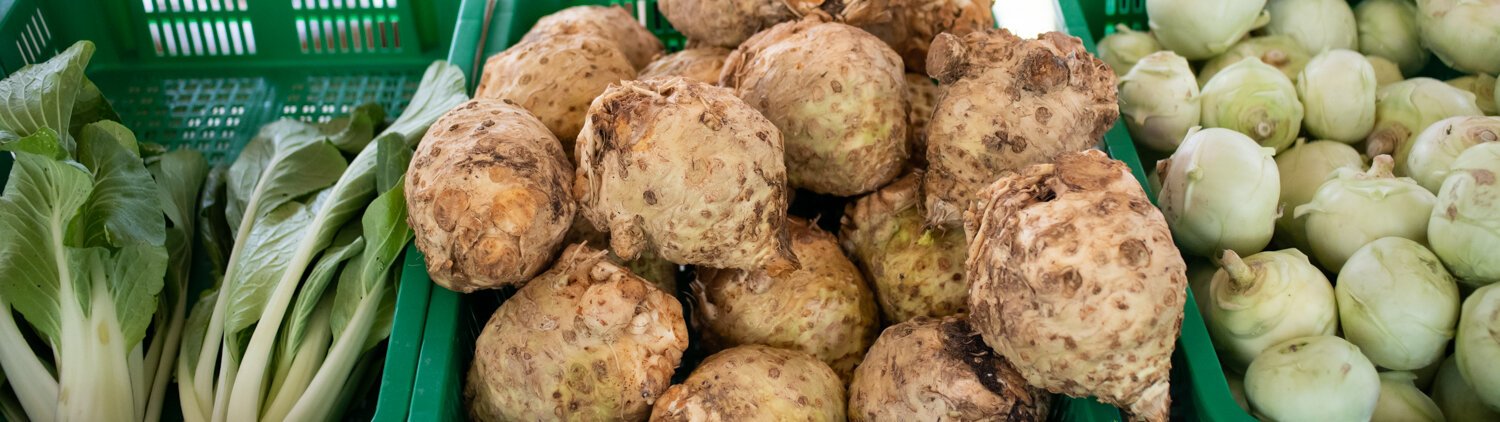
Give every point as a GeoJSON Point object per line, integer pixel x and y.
{"type": "Point", "coordinates": [94, 366]}
{"type": "Point", "coordinates": [321, 396]}
{"type": "Point", "coordinates": [39, 398]}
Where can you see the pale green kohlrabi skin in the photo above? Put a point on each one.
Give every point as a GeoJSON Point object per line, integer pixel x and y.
{"type": "Point", "coordinates": [1319, 25]}
{"type": "Point", "coordinates": [1404, 109]}
{"type": "Point", "coordinates": [1159, 100]}
{"type": "Point", "coordinates": [1321, 378]}
{"type": "Point", "coordinates": [1464, 229]}
{"type": "Point", "coordinates": [1397, 303]}
{"type": "Point", "coordinates": [1265, 299]}
{"type": "Point", "coordinates": [1337, 89]}
{"type": "Point", "coordinates": [1434, 150]}
{"type": "Point", "coordinates": [1465, 34]}
{"type": "Point", "coordinates": [1124, 48]}
{"type": "Point", "coordinates": [1401, 401]}
{"type": "Point", "coordinates": [1483, 87]}
{"type": "Point", "coordinates": [1219, 191]}
{"type": "Point", "coordinates": [1200, 29]}
{"type": "Point", "coordinates": [1354, 208]}
{"type": "Point", "coordinates": [1388, 28]}
{"type": "Point", "coordinates": [1280, 51]}
{"type": "Point", "coordinates": [1457, 398]}
{"type": "Point", "coordinates": [1303, 168]}
{"type": "Point", "coordinates": [1386, 72]}
{"type": "Point", "coordinates": [1255, 99]}
{"type": "Point", "coordinates": [1477, 348]}
{"type": "Point", "coordinates": [1237, 389]}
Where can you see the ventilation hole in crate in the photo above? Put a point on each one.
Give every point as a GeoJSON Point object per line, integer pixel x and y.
{"type": "Point", "coordinates": [35, 39]}
{"type": "Point", "coordinates": [209, 39]}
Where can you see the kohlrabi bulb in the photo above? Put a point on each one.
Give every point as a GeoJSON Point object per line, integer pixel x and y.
{"type": "Point", "coordinates": [1321, 378]}
{"type": "Point", "coordinates": [1354, 208]}
{"type": "Point", "coordinates": [1280, 51]}
{"type": "Point", "coordinates": [1386, 72]}
{"type": "Point", "coordinates": [1434, 150]}
{"type": "Point", "coordinates": [1200, 29]}
{"type": "Point", "coordinates": [1464, 229]}
{"type": "Point", "coordinates": [1483, 87]}
{"type": "Point", "coordinates": [1397, 303]}
{"type": "Point", "coordinates": [1465, 34]}
{"type": "Point", "coordinates": [1219, 191]}
{"type": "Point", "coordinates": [1319, 25]}
{"type": "Point", "coordinates": [1457, 398]}
{"type": "Point", "coordinates": [1477, 347]}
{"type": "Point", "coordinates": [1388, 28]}
{"type": "Point", "coordinates": [1159, 100]}
{"type": "Point", "coordinates": [1401, 401]}
{"type": "Point", "coordinates": [1122, 49]}
{"type": "Point", "coordinates": [1265, 299]}
{"type": "Point", "coordinates": [1404, 109]}
{"type": "Point", "coordinates": [1337, 89]}
{"type": "Point", "coordinates": [1303, 168]}
{"type": "Point", "coordinates": [1255, 99]}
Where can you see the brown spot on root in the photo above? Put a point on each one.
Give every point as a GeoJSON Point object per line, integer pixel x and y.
{"type": "Point", "coordinates": [1041, 71]}
{"type": "Point", "coordinates": [1135, 253]}
{"type": "Point", "coordinates": [999, 140]}
{"type": "Point", "coordinates": [649, 197]}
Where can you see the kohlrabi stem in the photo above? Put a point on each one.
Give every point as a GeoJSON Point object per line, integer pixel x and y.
{"type": "Point", "coordinates": [1240, 274]}
{"type": "Point", "coordinates": [1381, 167]}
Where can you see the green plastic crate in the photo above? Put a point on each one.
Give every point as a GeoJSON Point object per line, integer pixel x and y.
{"type": "Point", "coordinates": [206, 74]}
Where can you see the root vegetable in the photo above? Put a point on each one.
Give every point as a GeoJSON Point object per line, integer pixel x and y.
{"type": "Point", "coordinates": [1464, 34]}
{"type": "Point", "coordinates": [915, 271]}
{"type": "Point", "coordinates": [1457, 399]}
{"type": "Point", "coordinates": [1265, 299]}
{"type": "Point", "coordinates": [1303, 169]}
{"type": "Point", "coordinates": [1464, 229]}
{"type": "Point", "coordinates": [585, 340]}
{"type": "Point", "coordinates": [935, 369]}
{"type": "Point", "coordinates": [1219, 191]}
{"type": "Point", "coordinates": [1279, 51]}
{"type": "Point", "coordinates": [1404, 109]}
{"type": "Point", "coordinates": [1075, 281]}
{"type": "Point", "coordinates": [610, 23]}
{"type": "Point", "coordinates": [1124, 48]}
{"type": "Point", "coordinates": [853, 12]}
{"type": "Point", "coordinates": [1320, 378]}
{"type": "Point", "coordinates": [1401, 401]}
{"type": "Point", "coordinates": [1160, 101]}
{"type": "Point", "coordinates": [1434, 150]}
{"type": "Point", "coordinates": [1386, 72]}
{"type": "Point", "coordinates": [1477, 346]}
{"type": "Point", "coordinates": [1483, 87]}
{"type": "Point", "coordinates": [1398, 304]}
{"type": "Point", "coordinates": [1319, 25]}
{"type": "Point", "coordinates": [923, 93]}
{"type": "Point", "coordinates": [824, 309]}
{"type": "Point", "coordinates": [1337, 90]}
{"type": "Point", "coordinates": [1354, 208]}
{"type": "Point", "coordinates": [1008, 103]}
{"type": "Point", "coordinates": [1388, 28]}
{"type": "Point", "coordinates": [488, 196]}
{"type": "Point", "coordinates": [755, 383]}
{"type": "Point", "coordinates": [838, 95]}
{"type": "Point", "coordinates": [723, 23]}
{"type": "Point", "coordinates": [687, 170]}
{"type": "Point", "coordinates": [696, 64]}
{"type": "Point", "coordinates": [1253, 98]}
{"type": "Point", "coordinates": [659, 272]}
{"type": "Point", "coordinates": [555, 78]}
{"type": "Point", "coordinates": [915, 23]}
{"type": "Point", "coordinates": [1201, 29]}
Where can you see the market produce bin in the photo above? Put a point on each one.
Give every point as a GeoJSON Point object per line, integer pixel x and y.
{"type": "Point", "coordinates": [454, 320]}
{"type": "Point", "coordinates": [206, 74]}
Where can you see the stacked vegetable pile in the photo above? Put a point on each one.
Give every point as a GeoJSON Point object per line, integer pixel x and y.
{"type": "Point", "coordinates": [98, 232]}
{"type": "Point", "coordinates": [1010, 261]}
{"type": "Point", "coordinates": [1327, 189]}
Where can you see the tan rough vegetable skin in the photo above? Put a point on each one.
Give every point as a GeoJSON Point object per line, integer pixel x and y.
{"type": "Point", "coordinates": [915, 23]}
{"type": "Point", "coordinates": [696, 64]}
{"type": "Point", "coordinates": [939, 369]}
{"type": "Point", "coordinates": [687, 170]}
{"type": "Point", "coordinates": [555, 78]}
{"type": "Point", "coordinates": [923, 93]}
{"type": "Point", "coordinates": [723, 23]}
{"type": "Point", "coordinates": [838, 95]}
{"type": "Point", "coordinates": [1008, 103]}
{"type": "Point", "coordinates": [487, 193]}
{"type": "Point", "coordinates": [824, 309]}
{"type": "Point", "coordinates": [1075, 280]}
{"type": "Point", "coordinates": [914, 271]}
{"type": "Point", "coordinates": [755, 383]}
{"type": "Point", "coordinates": [611, 23]}
{"type": "Point", "coordinates": [660, 272]}
{"type": "Point", "coordinates": [586, 340]}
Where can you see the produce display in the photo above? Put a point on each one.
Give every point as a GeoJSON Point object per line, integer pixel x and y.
{"type": "Point", "coordinates": [752, 382]}
{"type": "Point", "coordinates": [915, 271]}
{"type": "Point", "coordinates": [610, 23]}
{"type": "Point", "coordinates": [695, 64]}
{"type": "Point", "coordinates": [1377, 166]}
{"type": "Point", "coordinates": [556, 79]}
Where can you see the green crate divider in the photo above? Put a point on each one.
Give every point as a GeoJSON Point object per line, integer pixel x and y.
{"type": "Point", "coordinates": [206, 74]}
